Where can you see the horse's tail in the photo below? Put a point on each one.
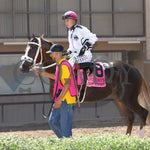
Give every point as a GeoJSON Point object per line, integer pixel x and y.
{"type": "Point", "coordinates": [144, 99]}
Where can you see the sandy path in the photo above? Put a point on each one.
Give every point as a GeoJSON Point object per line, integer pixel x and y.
{"type": "Point", "coordinates": [86, 127]}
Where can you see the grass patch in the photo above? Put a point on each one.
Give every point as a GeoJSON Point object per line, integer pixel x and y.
{"type": "Point", "coordinates": [82, 142]}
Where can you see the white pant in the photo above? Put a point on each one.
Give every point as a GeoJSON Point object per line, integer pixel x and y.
{"type": "Point", "coordinates": [87, 57]}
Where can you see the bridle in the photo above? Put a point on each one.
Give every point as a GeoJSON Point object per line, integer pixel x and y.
{"type": "Point", "coordinates": [33, 61]}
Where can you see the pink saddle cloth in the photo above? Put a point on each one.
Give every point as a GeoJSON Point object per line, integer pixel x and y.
{"type": "Point", "coordinates": [96, 79]}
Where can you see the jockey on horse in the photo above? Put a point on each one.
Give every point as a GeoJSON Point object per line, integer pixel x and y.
{"type": "Point", "coordinates": [81, 41]}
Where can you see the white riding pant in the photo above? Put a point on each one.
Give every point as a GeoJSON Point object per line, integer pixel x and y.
{"type": "Point", "coordinates": [87, 57]}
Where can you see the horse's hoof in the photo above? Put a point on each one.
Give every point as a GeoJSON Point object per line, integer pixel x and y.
{"type": "Point", "coordinates": [141, 133]}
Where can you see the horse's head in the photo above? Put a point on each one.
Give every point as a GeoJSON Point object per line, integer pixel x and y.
{"type": "Point", "coordinates": [34, 54]}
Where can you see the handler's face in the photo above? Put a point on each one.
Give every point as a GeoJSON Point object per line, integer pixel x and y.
{"type": "Point", "coordinates": [54, 56]}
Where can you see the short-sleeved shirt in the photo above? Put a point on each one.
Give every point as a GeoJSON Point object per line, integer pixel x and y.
{"type": "Point", "coordinates": [64, 73]}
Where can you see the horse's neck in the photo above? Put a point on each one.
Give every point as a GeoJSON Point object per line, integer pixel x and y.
{"type": "Point", "coordinates": [46, 59]}
{"type": "Point", "coordinates": [45, 44]}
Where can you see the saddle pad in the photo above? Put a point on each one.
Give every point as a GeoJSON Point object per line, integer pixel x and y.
{"type": "Point", "coordinates": [96, 79]}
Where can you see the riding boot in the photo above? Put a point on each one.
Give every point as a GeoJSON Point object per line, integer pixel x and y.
{"type": "Point", "coordinates": [85, 66]}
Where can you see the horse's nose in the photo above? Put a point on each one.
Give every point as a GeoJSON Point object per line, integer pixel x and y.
{"type": "Point", "coordinates": [21, 68]}
{"type": "Point", "coordinates": [24, 68]}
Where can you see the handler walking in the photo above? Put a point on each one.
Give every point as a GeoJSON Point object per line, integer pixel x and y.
{"type": "Point", "coordinates": [64, 94]}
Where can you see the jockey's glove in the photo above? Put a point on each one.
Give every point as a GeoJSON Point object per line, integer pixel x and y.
{"type": "Point", "coordinates": [67, 53]}
{"type": "Point", "coordinates": [86, 46]}
{"type": "Point", "coordinates": [72, 54]}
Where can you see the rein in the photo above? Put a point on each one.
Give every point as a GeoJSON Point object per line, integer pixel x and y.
{"type": "Point", "coordinates": [37, 66]}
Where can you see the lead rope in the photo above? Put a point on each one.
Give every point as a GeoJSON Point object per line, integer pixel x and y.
{"type": "Point", "coordinates": [51, 101]}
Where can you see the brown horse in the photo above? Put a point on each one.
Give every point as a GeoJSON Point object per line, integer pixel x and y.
{"type": "Point", "coordinates": [123, 82]}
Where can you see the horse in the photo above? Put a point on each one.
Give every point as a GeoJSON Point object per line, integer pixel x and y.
{"type": "Point", "coordinates": [124, 83]}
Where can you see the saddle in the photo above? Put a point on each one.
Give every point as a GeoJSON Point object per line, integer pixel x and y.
{"type": "Point", "coordinates": [89, 75]}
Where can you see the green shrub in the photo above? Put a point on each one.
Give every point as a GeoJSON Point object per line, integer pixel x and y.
{"type": "Point", "coordinates": [82, 142]}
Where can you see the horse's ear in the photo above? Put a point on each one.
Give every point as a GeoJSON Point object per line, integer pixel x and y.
{"type": "Point", "coordinates": [33, 35]}
{"type": "Point", "coordinates": [42, 36]}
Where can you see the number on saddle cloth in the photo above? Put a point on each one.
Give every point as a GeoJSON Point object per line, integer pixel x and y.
{"type": "Point", "coordinates": [96, 79]}
{"type": "Point", "coordinates": [98, 70]}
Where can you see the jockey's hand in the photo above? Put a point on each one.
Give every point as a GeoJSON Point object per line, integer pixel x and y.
{"type": "Point", "coordinates": [73, 55]}
{"type": "Point", "coordinates": [84, 48]}
{"type": "Point", "coordinates": [69, 54]}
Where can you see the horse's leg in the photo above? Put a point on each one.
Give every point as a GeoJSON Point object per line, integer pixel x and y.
{"type": "Point", "coordinates": [129, 97]}
{"type": "Point", "coordinates": [142, 113]}
{"type": "Point", "coordinates": [128, 109]}
{"type": "Point", "coordinates": [129, 116]}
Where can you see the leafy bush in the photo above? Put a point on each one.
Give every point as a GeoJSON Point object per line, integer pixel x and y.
{"type": "Point", "coordinates": [82, 142]}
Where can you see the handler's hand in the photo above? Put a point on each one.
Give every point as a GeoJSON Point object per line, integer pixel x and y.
{"type": "Point", "coordinates": [36, 71]}
{"type": "Point", "coordinates": [57, 104]}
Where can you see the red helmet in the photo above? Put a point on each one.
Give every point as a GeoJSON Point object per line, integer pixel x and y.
{"type": "Point", "coordinates": [70, 15]}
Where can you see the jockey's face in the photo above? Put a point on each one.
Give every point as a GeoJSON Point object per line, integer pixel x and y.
{"type": "Point", "coordinates": [70, 22]}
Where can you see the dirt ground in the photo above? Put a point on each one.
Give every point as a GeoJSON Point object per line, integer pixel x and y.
{"type": "Point", "coordinates": [79, 128]}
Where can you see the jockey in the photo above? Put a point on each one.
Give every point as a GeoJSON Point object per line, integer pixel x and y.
{"type": "Point", "coordinates": [81, 41]}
